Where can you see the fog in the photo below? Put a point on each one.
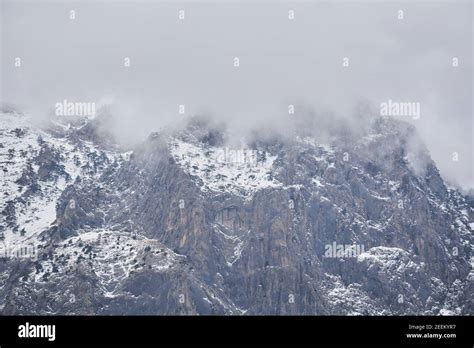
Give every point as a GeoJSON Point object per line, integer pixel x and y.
{"type": "Point", "coordinates": [190, 62]}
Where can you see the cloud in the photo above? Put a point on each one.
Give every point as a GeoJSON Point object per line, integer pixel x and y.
{"type": "Point", "coordinates": [299, 62]}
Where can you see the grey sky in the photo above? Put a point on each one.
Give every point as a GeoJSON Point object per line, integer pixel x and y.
{"type": "Point", "coordinates": [282, 62]}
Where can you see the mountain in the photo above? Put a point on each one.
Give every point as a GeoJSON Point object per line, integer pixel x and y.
{"type": "Point", "coordinates": [191, 221]}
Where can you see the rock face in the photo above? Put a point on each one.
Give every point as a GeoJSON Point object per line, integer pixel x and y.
{"type": "Point", "coordinates": [361, 224]}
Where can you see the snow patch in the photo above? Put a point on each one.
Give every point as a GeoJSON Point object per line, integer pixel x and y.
{"type": "Point", "coordinates": [214, 174]}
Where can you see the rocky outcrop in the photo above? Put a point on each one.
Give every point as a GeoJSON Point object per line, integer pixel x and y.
{"type": "Point", "coordinates": [361, 225]}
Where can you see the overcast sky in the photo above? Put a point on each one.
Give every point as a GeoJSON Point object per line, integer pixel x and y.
{"type": "Point", "coordinates": [282, 61]}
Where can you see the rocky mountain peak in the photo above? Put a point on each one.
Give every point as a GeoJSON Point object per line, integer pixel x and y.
{"type": "Point", "coordinates": [193, 221]}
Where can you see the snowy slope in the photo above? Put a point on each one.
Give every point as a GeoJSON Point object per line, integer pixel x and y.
{"type": "Point", "coordinates": [221, 169]}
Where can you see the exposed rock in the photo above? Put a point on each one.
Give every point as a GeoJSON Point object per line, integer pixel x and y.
{"type": "Point", "coordinates": [184, 224]}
